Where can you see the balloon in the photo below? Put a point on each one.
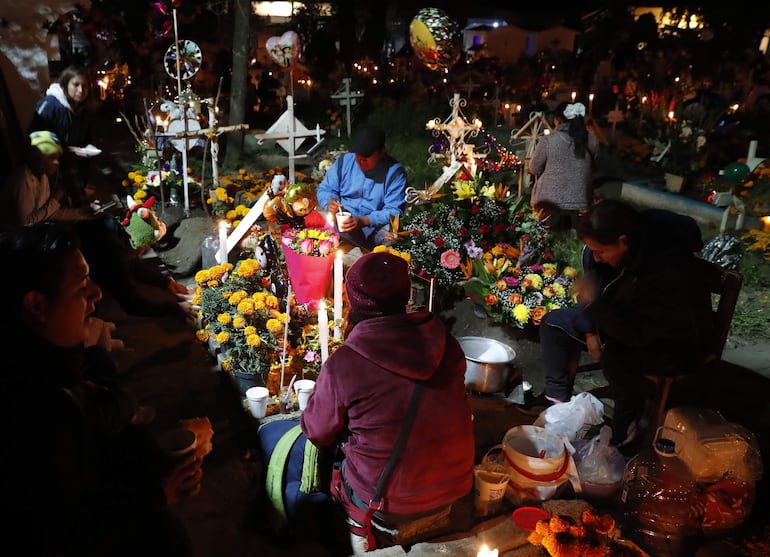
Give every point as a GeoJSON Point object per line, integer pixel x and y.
{"type": "Point", "coordinates": [284, 49]}
{"type": "Point", "coordinates": [736, 172]}
{"type": "Point", "coordinates": [299, 200]}
{"type": "Point", "coordinates": [435, 38]}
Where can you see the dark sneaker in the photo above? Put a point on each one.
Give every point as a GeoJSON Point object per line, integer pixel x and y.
{"type": "Point", "coordinates": [624, 431]}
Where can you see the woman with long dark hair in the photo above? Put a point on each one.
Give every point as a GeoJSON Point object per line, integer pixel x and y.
{"type": "Point", "coordinates": [563, 162]}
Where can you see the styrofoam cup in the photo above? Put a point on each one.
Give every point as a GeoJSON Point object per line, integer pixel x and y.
{"type": "Point", "coordinates": [489, 489]}
{"type": "Point", "coordinates": [342, 216]}
{"type": "Point", "coordinates": [257, 398]}
{"type": "Point", "coordinates": [303, 388]}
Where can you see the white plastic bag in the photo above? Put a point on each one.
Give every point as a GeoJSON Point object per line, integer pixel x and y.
{"type": "Point", "coordinates": [572, 419]}
{"type": "Point", "coordinates": [597, 461]}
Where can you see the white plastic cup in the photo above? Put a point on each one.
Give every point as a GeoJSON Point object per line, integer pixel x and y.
{"type": "Point", "coordinates": [257, 398]}
{"type": "Point", "coordinates": [303, 388]}
{"type": "Point", "coordinates": [342, 217]}
{"type": "Point", "coordinates": [489, 489]}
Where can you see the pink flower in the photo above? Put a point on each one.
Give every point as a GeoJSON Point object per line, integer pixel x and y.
{"type": "Point", "coordinates": [325, 246]}
{"type": "Point", "coordinates": [306, 246]}
{"type": "Point", "coordinates": [450, 259]}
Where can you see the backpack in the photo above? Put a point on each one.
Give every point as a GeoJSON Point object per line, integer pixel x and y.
{"type": "Point", "coordinates": [295, 482]}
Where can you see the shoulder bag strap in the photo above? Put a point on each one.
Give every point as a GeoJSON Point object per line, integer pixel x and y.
{"type": "Point", "coordinates": [399, 446]}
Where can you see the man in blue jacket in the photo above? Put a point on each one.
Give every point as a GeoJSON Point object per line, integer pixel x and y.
{"type": "Point", "coordinates": [369, 184]}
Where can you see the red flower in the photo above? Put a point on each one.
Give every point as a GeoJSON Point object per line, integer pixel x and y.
{"type": "Point", "coordinates": [474, 209]}
{"type": "Point", "coordinates": [439, 242]}
{"type": "Point", "coordinates": [463, 232]}
{"type": "Point", "coordinates": [499, 227]}
{"type": "Point", "coordinates": [416, 233]}
{"type": "Point", "coordinates": [547, 254]}
{"type": "Point", "coordinates": [484, 228]}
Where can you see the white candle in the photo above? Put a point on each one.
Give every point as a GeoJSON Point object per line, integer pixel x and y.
{"type": "Point", "coordinates": [430, 295]}
{"type": "Point", "coordinates": [323, 330]}
{"type": "Point", "coordinates": [338, 295]}
{"type": "Point", "coordinates": [591, 105]}
{"type": "Point", "coordinates": [486, 552]}
{"type": "Point", "coordinates": [223, 241]}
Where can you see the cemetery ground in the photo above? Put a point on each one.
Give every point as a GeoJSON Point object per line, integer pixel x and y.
{"type": "Point", "coordinates": [168, 369]}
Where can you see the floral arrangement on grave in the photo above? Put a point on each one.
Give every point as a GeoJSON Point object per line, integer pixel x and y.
{"type": "Point", "coordinates": [443, 237]}
{"type": "Point", "coordinates": [309, 255]}
{"type": "Point", "coordinates": [142, 182]}
{"type": "Point", "coordinates": [518, 295]}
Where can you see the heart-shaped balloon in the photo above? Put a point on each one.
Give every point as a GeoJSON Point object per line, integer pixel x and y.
{"type": "Point", "coordinates": [284, 49]}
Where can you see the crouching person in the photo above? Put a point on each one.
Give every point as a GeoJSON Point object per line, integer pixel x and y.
{"type": "Point", "coordinates": [395, 368]}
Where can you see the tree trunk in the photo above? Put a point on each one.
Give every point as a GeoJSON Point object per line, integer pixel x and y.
{"type": "Point", "coordinates": [239, 80]}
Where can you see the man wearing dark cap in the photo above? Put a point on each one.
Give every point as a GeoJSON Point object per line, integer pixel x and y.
{"type": "Point", "coordinates": [362, 394]}
{"type": "Point", "coordinates": [369, 184]}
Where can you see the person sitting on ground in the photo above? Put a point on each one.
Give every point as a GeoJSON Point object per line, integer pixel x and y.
{"type": "Point", "coordinates": [644, 309]}
{"type": "Point", "coordinates": [369, 184]}
{"type": "Point", "coordinates": [71, 458]}
{"type": "Point", "coordinates": [562, 162]}
{"type": "Point", "coordinates": [28, 198]}
{"type": "Point", "coordinates": [362, 395]}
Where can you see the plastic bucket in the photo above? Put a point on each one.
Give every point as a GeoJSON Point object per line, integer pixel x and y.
{"type": "Point", "coordinates": [539, 463]}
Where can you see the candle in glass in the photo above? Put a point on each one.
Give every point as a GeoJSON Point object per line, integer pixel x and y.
{"type": "Point", "coordinates": [223, 241]}
{"type": "Point", "coordinates": [338, 295]}
{"type": "Point", "coordinates": [323, 330]}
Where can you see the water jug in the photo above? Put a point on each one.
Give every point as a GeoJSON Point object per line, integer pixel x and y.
{"type": "Point", "coordinates": [658, 502]}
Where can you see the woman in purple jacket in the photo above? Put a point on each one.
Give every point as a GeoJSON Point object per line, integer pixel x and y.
{"type": "Point", "coordinates": [363, 391]}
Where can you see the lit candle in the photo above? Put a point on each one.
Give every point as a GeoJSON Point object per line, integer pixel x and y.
{"type": "Point", "coordinates": [765, 224]}
{"type": "Point", "coordinates": [430, 295]}
{"type": "Point", "coordinates": [591, 105]}
{"type": "Point", "coordinates": [338, 295]}
{"type": "Point", "coordinates": [574, 95]}
{"type": "Point", "coordinates": [323, 330]}
{"type": "Point", "coordinates": [223, 241]}
{"type": "Point", "coordinates": [486, 552]}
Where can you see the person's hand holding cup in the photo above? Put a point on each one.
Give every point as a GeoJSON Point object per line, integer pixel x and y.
{"type": "Point", "coordinates": [185, 474]}
{"type": "Point", "coordinates": [345, 221]}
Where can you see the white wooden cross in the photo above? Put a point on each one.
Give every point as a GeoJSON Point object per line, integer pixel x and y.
{"type": "Point", "coordinates": [213, 131]}
{"type": "Point", "coordinates": [289, 133]}
{"type": "Point", "coordinates": [347, 98]}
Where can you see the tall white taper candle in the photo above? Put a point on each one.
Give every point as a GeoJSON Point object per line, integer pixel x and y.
{"type": "Point", "coordinates": [338, 295]}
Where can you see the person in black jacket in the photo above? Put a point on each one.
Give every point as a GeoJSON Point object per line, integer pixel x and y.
{"type": "Point", "coordinates": [64, 110]}
{"type": "Point", "coordinates": [644, 308]}
{"type": "Point", "coordinates": [78, 477]}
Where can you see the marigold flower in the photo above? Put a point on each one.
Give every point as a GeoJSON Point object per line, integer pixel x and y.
{"type": "Point", "coordinates": [224, 318]}
{"type": "Point", "coordinates": [254, 341]}
{"type": "Point", "coordinates": [274, 326]}
{"type": "Point", "coordinates": [223, 337]}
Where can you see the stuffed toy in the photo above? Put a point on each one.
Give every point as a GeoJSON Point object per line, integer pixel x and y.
{"type": "Point", "coordinates": [142, 224]}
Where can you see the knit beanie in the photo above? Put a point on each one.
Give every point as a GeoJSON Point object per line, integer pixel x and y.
{"type": "Point", "coordinates": [47, 142]}
{"type": "Point", "coordinates": [378, 284]}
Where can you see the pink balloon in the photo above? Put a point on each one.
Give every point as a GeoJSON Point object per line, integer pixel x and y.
{"type": "Point", "coordinates": [284, 49]}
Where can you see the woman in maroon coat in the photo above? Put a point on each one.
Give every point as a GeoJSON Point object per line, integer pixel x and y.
{"type": "Point", "coordinates": [363, 391]}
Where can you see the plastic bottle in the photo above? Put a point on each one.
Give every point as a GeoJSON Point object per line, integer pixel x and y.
{"type": "Point", "coordinates": [658, 502]}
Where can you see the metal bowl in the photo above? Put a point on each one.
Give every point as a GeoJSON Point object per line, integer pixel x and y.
{"type": "Point", "coordinates": [489, 363]}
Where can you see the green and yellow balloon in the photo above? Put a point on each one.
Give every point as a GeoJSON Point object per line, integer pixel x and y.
{"type": "Point", "coordinates": [435, 38]}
